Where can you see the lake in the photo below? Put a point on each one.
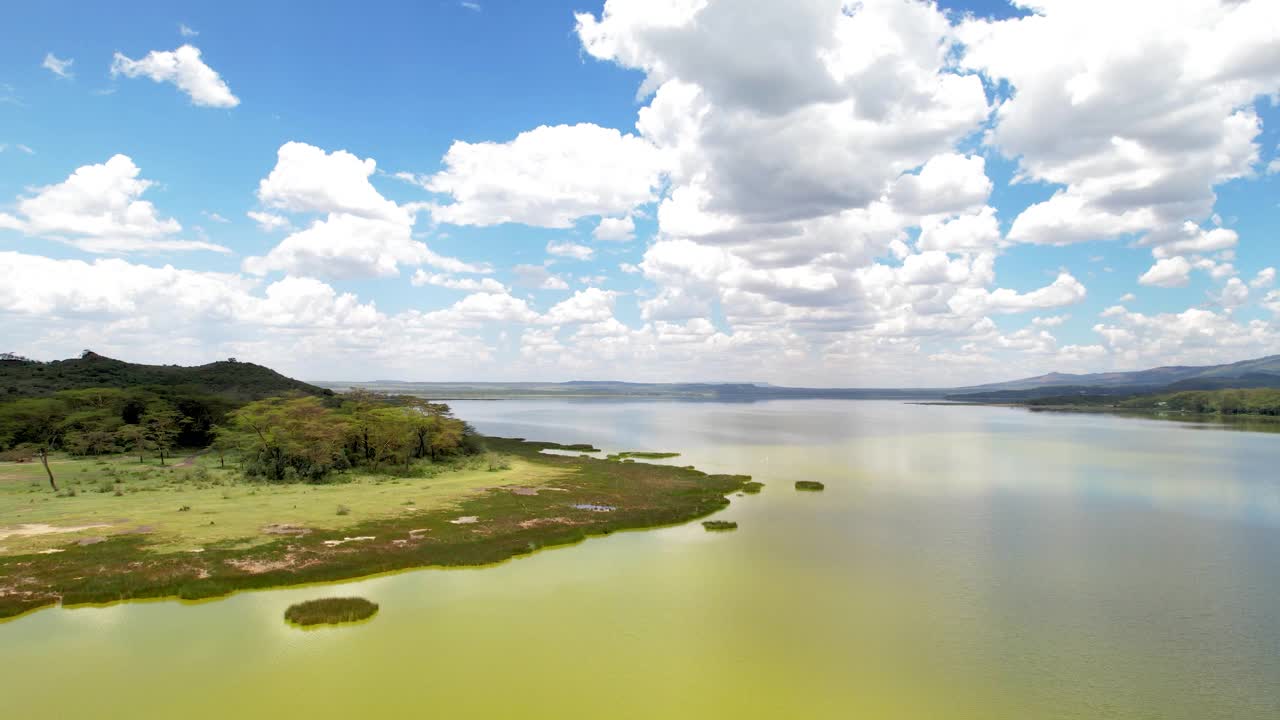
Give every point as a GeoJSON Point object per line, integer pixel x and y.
{"type": "Point", "coordinates": [963, 562]}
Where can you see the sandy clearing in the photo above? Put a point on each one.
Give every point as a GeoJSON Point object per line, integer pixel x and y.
{"type": "Point", "coordinates": [33, 529]}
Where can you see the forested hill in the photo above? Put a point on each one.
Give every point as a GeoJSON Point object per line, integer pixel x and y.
{"type": "Point", "coordinates": [20, 377]}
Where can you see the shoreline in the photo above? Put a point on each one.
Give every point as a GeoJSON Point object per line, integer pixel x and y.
{"type": "Point", "coordinates": [511, 524]}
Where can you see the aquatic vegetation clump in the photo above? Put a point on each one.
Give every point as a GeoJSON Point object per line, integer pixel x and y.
{"type": "Point", "coordinates": [752, 488]}
{"type": "Point", "coordinates": [330, 611]}
{"type": "Point", "coordinates": [635, 455]}
{"type": "Point", "coordinates": [810, 485]}
{"type": "Point", "coordinates": [719, 525]}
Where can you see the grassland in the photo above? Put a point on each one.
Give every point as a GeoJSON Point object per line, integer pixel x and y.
{"type": "Point", "coordinates": [237, 535]}
{"type": "Point", "coordinates": [639, 455]}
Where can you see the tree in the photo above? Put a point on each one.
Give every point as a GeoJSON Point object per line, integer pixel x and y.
{"type": "Point", "coordinates": [280, 435]}
{"type": "Point", "coordinates": [162, 423]}
{"type": "Point", "coordinates": [134, 437]}
{"type": "Point", "coordinates": [393, 435]}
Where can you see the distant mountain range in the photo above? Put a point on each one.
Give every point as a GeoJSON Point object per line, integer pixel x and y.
{"type": "Point", "coordinates": [1259, 373]}
{"type": "Point", "coordinates": [20, 377]}
{"type": "Point", "coordinates": [1263, 372]}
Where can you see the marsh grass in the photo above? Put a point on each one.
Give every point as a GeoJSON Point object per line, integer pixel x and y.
{"type": "Point", "coordinates": [330, 611]}
{"type": "Point", "coordinates": [810, 485]}
{"type": "Point", "coordinates": [719, 525]}
{"type": "Point", "coordinates": [752, 488]}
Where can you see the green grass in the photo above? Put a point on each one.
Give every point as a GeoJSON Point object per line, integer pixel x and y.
{"type": "Point", "coordinates": [330, 611]}
{"type": "Point", "coordinates": [161, 564]}
{"type": "Point", "coordinates": [719, 525]}
{"type": "Point", "coordinates": [223, 506]}
{"type": "Point", "coordinates": [811, 485]}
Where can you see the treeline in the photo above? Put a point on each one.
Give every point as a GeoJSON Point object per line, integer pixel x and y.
{"type": "Point", "coordinates": [1253, 401]}
{"type": "Point", "coordinates": [104, 421]}
{"type": "Point", "coordinates": [290, 439]}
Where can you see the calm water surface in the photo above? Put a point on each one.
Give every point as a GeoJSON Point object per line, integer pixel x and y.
{"type": "Point", "coordinates": [964, 562]}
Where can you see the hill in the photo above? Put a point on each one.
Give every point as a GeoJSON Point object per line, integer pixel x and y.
{"type": "Point", "coordinates": [241, 381]}
{"type": "Point", "coordinates": [1259, 373]}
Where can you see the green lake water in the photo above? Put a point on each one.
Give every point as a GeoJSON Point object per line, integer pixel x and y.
{"type": "Point", "coordinates": [963, 562]}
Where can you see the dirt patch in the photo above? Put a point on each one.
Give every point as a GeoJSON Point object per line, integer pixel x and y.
{"type": "Point", "coordinates": [466, 520]}
{"type": "Point", "coordinates": [91, 540]}
{"type": "Point", "coordinates": [344, 541]}
{"type": "Point", "coordinates": [546, 521]}
{"type": "Point", "coordinates": [524, 491]}
{"type": "Point", "coordinates": [34, 529]}
{"type": "Point", "coordinates": [285, 529]}
{"type": "Point", "coordinates": [257, 567]}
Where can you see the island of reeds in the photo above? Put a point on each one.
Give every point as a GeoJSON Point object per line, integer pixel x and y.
{"type": "Point", "coordinates": [330, 611]}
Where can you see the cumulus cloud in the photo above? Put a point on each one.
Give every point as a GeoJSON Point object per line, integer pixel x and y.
{"type": "Point", "coordinates": [570, 250]}
{"type": "Point", "coordinates": [610, 229]}
{"type": "Point", "coordinates": [538, 278]}
{"type": "Point", "coordinates": [362, 233]}
{"type": "Point", "coordinates": [99, 209]}
{"type": "Point", "coordinates": [549, 177]}
{"type": "Point", "coordinates": [1167, 273]}
{"type": "Point", "coordinates": [1138, 116]}
{"type": "Point", "coordinates": [486, 285]}
{"type": "Point", "coordinates": [183, 68]}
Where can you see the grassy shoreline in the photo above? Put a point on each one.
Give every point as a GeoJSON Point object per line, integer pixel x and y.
{"type": "Point", "coordinates": [586, 496]}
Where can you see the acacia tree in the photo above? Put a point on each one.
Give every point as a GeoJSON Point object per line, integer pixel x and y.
{"type": "Point", "coordinates": [134, 437]}
{"type": "Point", "coordinates": [163, 423]}
{"type": "Point", "coordinates": [393, 434]}
{"type": "Point", "coordinates": [283, 434]}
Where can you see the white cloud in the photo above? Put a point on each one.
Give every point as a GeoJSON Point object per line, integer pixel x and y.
{"type": "Point", "coordinates": [549, 177]}
{"type": "Point", "coordinates": [269, 222]}
{"type": "Point", "coordinates": [1138, 114]}
{"type": "Point", "coordinates": [609, 229]}
{"type": "Point", "coordinates": [98, 208]}
{"type": "Point", "coordinates": [1234, 294]}
{"type": "Point", "coordinates": [1128, 297]}
{"type": "Point", "coordinates": [571, 250]}
{"type": "Point", "coordinates": [486, 285]}
{"type": "Point", "coordinates": [307, 179]}
{"type": "Point", "coordinates": [1265, 278]}
{"type": "Point", "coordinates": [184, 68]}
{"type": "Point", "coordinates": [948, 183]}
{"type": "Point", "coordinates": [538, 277]}
{"type": "Point", "coordinates": [17, 146]}
{"type": "Point", "coordinates": [58, 66]}
{"type": "Point", "coordinates": [362, 234]}
{"type": "Point", "coordinates": [186, 32]}
{"type": "Point", "coordinates": [584, 306]}
{"type": "Point", "coordinates": [1190, 238]}
{"type": "Point", "coordinates": [1167, 273]}
{"type": "Point", "coordinates": [1065, 290]}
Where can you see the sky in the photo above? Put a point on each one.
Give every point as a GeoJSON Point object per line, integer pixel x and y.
{"type": "Point", "coordinates": [801, 192]}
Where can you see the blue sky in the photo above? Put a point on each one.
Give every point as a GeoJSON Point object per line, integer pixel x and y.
{"type": "Point", "coordinates": [808, 193]}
